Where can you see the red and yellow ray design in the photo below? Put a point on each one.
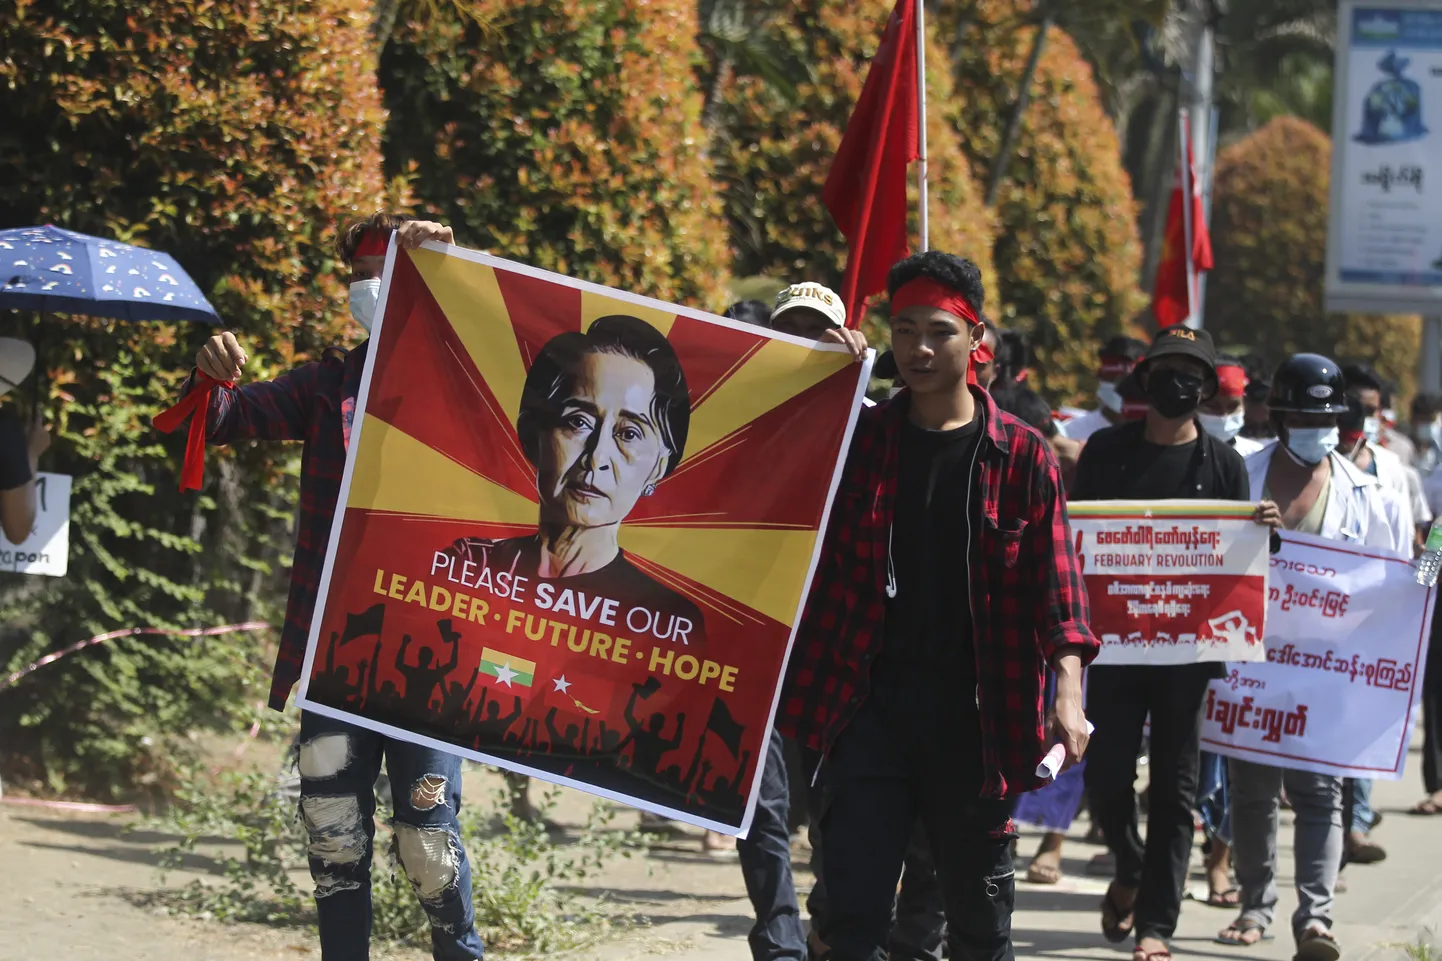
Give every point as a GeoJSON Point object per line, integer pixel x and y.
{"type": "Point", "coordinates": [438, 442]}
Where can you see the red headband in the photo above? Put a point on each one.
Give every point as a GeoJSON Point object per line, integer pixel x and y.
{"type": "Point", "coordinates": [925, 292]}
{"type": "Point", "coordinates": [373, 243]}
{"type": "Point", "coordinates": [1231, 381]}
{"type": "Point", "coordinates": [1114, 369]}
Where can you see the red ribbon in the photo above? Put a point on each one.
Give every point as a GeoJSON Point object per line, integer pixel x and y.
{"type": "Point", "coordinates": [925, 292]}
{"type": "Point", "coordinates": [197, 403]}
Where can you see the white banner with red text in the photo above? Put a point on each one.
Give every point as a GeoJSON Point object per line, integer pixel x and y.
{"type": "Point", "coordinates": [1175, 581]}
{"type": "Point", "coordinates": [1347, 630]}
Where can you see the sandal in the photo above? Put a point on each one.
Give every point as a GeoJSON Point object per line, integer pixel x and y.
{"type": "Point", "coordinates": [1229, 898]}
{"type": "Point", "coordinates": [1163, 955]}
{"type": "Point", "coordinates": [1116, 926]}
{"type": "Point", "coordinates": [1317, 944]}
{"type": "Point", "coordinates": [1426, 808]}
{"type": "Point", "coordinates": [1235, 934]}
{"type": "Point", "coordinates": [1042, 873]}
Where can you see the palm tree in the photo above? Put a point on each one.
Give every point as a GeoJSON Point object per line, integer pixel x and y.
{"type": "Point", "coordinates": [738, 41]}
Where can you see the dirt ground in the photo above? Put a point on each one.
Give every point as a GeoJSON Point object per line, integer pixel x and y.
{"type": "Point", "coordinates": [74, 885]}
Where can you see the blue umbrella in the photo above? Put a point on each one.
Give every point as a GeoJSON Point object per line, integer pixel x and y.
{"type": "Point", "coordinates": [52, 270]}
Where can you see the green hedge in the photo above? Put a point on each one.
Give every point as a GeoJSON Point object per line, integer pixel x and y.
{"type": "Point", "coordinates": [567, 135]}
{"type": "Point", "coordinates": [1269, 238]}
{"type": "Point", "coordinates": [233, 134]}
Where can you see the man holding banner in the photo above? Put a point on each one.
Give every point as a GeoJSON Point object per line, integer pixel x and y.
{"type": "Point", "coordinates": [1167, 456]}
{"type": "Point", "coordinates": [925, 700]}
{"type": "Point", "coordinates": [339, 762]}
{"type": "Point", "coordinates": [1319, 493]}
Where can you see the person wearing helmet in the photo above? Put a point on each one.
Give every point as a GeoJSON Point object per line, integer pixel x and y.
{"type": "Point", "coordinates": [1317, 491]}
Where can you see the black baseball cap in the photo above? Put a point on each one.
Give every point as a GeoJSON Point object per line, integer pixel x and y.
{"type": "Point", "coordinates": [1180, 340]}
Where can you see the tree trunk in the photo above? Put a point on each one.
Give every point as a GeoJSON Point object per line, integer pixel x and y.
{"type": "Point", "coordinates": [383, 21]}
{"type": "Point", "coordinates": [1013, 126]}
{"type": "Point", "coordinates": [711, 112]}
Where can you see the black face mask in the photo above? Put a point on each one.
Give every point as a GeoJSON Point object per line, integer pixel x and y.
{"type": "Point", "coordinates": [1174, 394]}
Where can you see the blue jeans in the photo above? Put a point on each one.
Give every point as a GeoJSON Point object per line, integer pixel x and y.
{"type": "Point", "coordinates": [339, 764]}
{"type": "Point", "coordinates": [1212, 797]}
{"type": "Point", "coordinates": [766, 866]}
{"type": "Point", "coordinates": [1361, 806]}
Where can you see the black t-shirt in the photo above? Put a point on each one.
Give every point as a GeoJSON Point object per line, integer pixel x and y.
{"type": "Point", "coordinates": [1118, 463]}
{"type": "Point", "coordinates": [928, 622]}
{"type": "Point", "coordinates": [14, 455]}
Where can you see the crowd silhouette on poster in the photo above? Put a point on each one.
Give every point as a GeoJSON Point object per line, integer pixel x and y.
{"type": "Point", "coordinates": [439, 697]}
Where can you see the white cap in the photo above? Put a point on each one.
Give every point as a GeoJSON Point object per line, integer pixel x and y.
{"type": "Point", "coordinates": [17, 359]}
{"type": "Point", "coordinates": [815, 296]}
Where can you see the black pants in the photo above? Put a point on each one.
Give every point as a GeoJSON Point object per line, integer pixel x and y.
{"type": "Point", "coordinates": [919, 926]}
{"type": "Point", "coordinates": [914, 753]}
{"type": "Point", "coordinates": [766, 866]}
{"type": "Point", "coordinates": [1432, 711]}
{"type": "Point", "coordinates": [1119, 698]}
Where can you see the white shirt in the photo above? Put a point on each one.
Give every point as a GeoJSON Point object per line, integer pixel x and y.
{"type": "Point", "coordinates": [1080, 428]}
{"type": "Point", "coordinates": [1358, 509]}
{"type": "Point", "coordinates": [1403, 481]}
{"type": "Point", "coordinates": [1247, 446]}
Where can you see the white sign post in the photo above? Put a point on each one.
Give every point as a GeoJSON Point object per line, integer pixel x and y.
{"type": "Point", "coordinates": [47, 549]}
{"type": "Point", "coordinates": [1384, 237]}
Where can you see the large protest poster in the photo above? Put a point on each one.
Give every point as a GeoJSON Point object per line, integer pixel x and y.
{"type": "Point", "coordinates": [1384, 237]}
{"type": "Point", "coordinates": [1173, 582]}
{"type": "Point", "coordinates": [578, 527]}
{"type": "Point", "coordinates": [1347, 630]}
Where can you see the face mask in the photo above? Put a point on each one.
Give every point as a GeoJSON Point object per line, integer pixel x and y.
{"type": "Point", "coordinates": [1372, 429]}
{"type": "Point", "coordinates": [1110, 398]}
{"type": "Point", "coordinates": [1224, 426]}
{"type": "Point", "coordinates": [364, 295]}
{"type": "Point", "coordinates": [1312, 445]}
{"type": "Point", "coordinates": [1430, 433]}
{"type": "Point", "coordinates": [1174, 394]}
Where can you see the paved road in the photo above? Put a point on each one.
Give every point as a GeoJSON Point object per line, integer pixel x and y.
{"type": "Point", "coordinates": [1387, 903]}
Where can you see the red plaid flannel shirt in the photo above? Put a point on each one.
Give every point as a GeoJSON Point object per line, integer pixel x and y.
{"type": "Point", "coordinates": [1027, 596]}
{"type": "Point", "coordinates": [313, 403]}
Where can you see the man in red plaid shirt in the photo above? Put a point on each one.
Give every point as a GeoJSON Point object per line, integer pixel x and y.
{"type": "Point", "coordinates": [315, 403]}
{"type": "Point", "coordinates": [947, 587]}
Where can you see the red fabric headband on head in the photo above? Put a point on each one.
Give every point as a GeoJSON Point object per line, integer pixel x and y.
{"type": "Point", "coordinates": [1231, 381]}
{"type": "Point", "coordinates": [1115, 368]}
{"type": "Point", "coordinates": [925, 292]}
{"type": "Point", "coordinates": [373, 243]}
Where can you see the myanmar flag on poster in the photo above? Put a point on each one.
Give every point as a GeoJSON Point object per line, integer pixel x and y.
{"type": "Point", "coordinates": [578, 526]}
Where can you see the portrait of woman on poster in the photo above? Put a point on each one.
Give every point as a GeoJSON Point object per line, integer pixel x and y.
{"type": "Point", "coordinates": [603, 419]}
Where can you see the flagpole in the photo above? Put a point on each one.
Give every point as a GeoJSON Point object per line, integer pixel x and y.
{"type": "Point", "coordinates": [921, 116]}
{"type": "Point", "coordinates": [1183, 127]}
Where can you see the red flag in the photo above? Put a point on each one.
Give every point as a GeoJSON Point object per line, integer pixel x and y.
{"type": "Point", "coordinates": [866, 189]}
{"type": "Point", "coordinates": [1171, 303]}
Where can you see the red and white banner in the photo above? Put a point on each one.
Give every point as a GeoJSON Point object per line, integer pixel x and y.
{"type": "Point", "coordinates": [1173, 582]}
{"type": "Point", "coordinates": [1347, 631]}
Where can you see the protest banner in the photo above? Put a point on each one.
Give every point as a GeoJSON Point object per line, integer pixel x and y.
{"type": "Point", "coordinates": [46, 549]}
{"type": "Point", "coordinates": [1347, 630]}
{"type": "Point", "coordinates": [577, 530]}
{"type": "Point", "coordinates": [1173, 582]}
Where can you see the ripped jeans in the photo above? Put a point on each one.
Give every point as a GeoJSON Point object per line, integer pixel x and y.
{"type": "Point", "coordinates": [339, 764]}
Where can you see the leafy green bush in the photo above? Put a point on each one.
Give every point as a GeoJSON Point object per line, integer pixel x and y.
{"type": "Point", "coordinates": [566, 135]}
{"type": "Point", "coordinates": [772, 155]}
{"type": "Point", "coordinates": [233, 133]}
{"type": "Point", "coordinates": [1067, 249]}
{"type": "Point", "coordinates": [1269, 238]}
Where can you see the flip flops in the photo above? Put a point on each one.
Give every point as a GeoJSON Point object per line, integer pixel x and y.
{"type": "Point", "coordinates": [1317, 944]}
{"type": "Point", "coordinates": [1426, 808]}
{"type": "Point", "coordinates": [1116, 926]}
{"type": "Point", "coordinates": [1229, 898]}
{"type": "Point", "coordinates": [1242, 926]}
